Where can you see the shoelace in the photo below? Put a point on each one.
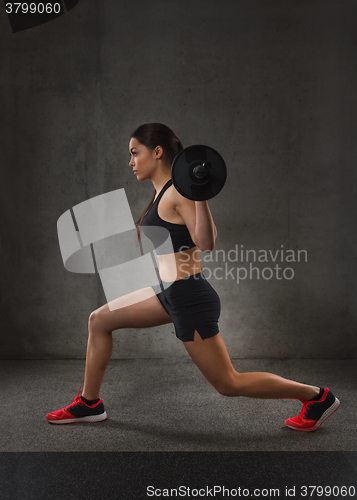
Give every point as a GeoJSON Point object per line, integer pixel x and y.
{"type": "Point", "coordinates": [76, 400]}
{"type": "Point", "coordinates": [305, 405]}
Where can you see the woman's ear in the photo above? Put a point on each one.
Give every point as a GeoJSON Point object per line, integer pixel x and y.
{"type": "Point", "coordinates": [159, 152]}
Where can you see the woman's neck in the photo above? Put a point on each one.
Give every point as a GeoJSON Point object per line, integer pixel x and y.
{"type": "Point", "coordinates": [159, 179]}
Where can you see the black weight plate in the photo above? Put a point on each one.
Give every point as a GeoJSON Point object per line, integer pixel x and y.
{"type": "Point", "coordinates": [185, 182]}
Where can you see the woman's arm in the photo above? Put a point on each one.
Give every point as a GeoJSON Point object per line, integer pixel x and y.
{"type": "Point", "coordinates": [198, 219]}
{"type": "Point", "coordinates": [205, 230]}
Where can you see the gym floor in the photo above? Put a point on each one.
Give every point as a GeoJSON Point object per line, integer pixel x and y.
{"type": "Point", "coordinates": [167, 405]}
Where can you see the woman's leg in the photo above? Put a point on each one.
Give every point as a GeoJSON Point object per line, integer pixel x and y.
{"type": "Point", "coordinates": [212, 358]}
{"type": "Point", "coordinates": [140, 309]}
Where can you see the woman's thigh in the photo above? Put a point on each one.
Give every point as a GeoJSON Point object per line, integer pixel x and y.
{"type": "Point", "coordinates": [139, 309]}
{"type": "Point", "coordinates": [211, 357]}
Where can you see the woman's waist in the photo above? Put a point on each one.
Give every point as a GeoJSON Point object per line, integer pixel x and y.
{"type": "Point", "coordinates": [196, 276]}
{"type": "Point", "coordinates": [179, 265]}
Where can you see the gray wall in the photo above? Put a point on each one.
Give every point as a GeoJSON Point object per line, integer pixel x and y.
{"type": "Point", "coordinates": [271, 85]}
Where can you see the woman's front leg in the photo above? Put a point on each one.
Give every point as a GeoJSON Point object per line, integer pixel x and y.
{"type": "Point", "coordinates": [212, 358]}
{"type": "Point", "coordinates": [99, 352]}
{"type": "Point", "coordinates": [140, 309]}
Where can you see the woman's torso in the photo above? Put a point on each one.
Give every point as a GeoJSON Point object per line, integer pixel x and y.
{"type": "Point", "coordinates": [180, 264]}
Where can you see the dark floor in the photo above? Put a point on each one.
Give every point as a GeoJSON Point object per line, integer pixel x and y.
{"type": "Point", "coordinates": [167, 405]}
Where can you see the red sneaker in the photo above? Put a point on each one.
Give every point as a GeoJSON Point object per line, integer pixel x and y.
{"type": "Point", "coordinates": [78, 411]}
{"type": "Point", "coordinates": [314, 413]}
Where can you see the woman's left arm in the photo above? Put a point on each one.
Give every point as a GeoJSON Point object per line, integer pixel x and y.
{"type": "Point", "coordinates": [199, 222]}
{"type": "Point", "coordinates": [205, 230]}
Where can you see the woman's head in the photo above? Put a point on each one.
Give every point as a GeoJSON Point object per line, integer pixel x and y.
{"type": "Point", "coordinates": [150, 142]}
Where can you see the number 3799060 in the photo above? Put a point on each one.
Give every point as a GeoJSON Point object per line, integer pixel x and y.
{"type": "Point", "coordinates": [32, 8]}
{"type": "Point", "coordinates": [328, 491]}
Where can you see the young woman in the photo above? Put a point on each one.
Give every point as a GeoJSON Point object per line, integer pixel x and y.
{"type": "Point", "coordinates": [190, 302]}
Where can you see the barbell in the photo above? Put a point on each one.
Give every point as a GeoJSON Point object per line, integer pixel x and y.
{"type": "Point", "coordinates": [198, 172]}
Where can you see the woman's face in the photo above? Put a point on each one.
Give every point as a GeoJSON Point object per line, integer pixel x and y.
{"type": "Point", "coordinates": [142, 160]}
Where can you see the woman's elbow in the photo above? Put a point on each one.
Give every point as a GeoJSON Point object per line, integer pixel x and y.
{"type": "Point", "coordinates": [207, 248]}
{"type": "Point", "coordinates": [207, 245]}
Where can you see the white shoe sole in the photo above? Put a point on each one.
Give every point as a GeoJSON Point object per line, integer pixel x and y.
{"type": "Point", "coordinates": [334, 407]}
{"type": "Point", "coordinates": [90, 418]}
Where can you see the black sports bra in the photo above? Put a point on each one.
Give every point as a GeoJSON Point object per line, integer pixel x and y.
{"type": "Point", "coordinates": [152, 224]}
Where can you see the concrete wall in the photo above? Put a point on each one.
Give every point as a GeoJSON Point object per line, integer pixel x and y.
{"type": "Point", "coordinates": [271, 85]}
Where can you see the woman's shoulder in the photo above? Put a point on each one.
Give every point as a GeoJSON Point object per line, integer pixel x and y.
{"type": "Point", "coordinates": [176, 198]}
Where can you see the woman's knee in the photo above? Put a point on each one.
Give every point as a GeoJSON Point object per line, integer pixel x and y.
{"type": "Point", "coordinates": [228, 387]}
{"type": "Point", "coordinates": [228, 391]}
{"type": "Point", "coordinates": [97, 321]}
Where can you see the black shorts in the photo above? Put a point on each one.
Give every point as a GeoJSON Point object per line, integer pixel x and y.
{"type": "Point", "coordinates": [192, 304]}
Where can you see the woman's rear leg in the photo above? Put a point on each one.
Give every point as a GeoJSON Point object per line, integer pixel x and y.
{"type": "Point", "coordinates": [139, 309]}
{"type": "Point", "coordinates": [212, 359]}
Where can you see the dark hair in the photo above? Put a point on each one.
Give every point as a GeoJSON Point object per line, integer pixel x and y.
{"type": "Point", "coordinates": [152, 135]}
